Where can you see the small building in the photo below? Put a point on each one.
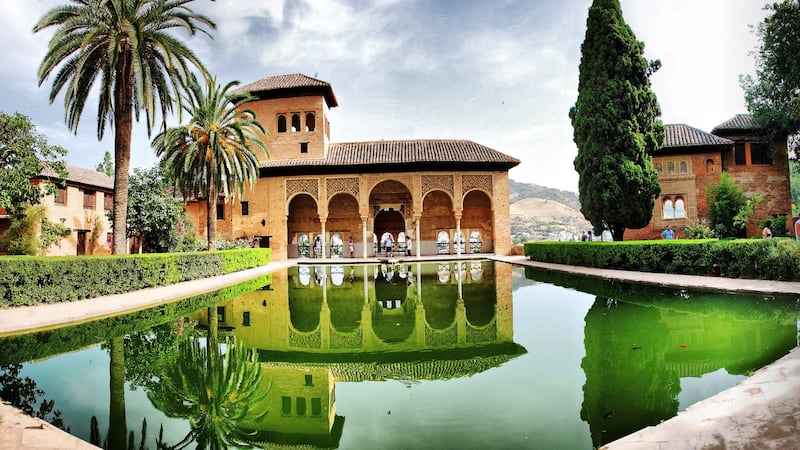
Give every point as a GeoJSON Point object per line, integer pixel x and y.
{"type": "Point", "coordinates": [446, 196]}
{"type": "Point", "coordinates": [86, 198]}
{"type": "Point", "coordinates": [691, 160]}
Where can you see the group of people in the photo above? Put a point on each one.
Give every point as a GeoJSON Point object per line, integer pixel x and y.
{"type": "Point", "coordinates": [387, 245]}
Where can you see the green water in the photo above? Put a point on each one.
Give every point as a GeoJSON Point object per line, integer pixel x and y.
{"type": "Point", "coordinates": [435, 355]}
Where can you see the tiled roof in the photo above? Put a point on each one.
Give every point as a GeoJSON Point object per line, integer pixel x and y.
{"type": "Point", "coordinates": [740, 122]}
{"type": "Point", "coordinates": [291, 82]}
{"type": "Point", "coordinates": [85, 177]}
{"type": "Point", "coordinates": [412, 154]}
{"type": "Point", "coordinates": [680, 135]}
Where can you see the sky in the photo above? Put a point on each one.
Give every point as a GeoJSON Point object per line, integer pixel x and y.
{"type": "Point", "coordinates": [502, 73]}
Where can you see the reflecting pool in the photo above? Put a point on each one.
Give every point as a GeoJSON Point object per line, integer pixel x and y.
{"type": "Point", "coordinates": [462, 354]}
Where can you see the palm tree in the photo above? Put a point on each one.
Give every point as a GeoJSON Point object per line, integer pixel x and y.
{"type": "Point", "coordinates": [216, 392]}
{"type": "Point", "coordinates": [212, 153]}
{"type": "Point", "coordinates": [126, 46]}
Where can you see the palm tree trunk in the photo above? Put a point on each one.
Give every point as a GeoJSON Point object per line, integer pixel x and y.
{"type": "Point", "coordinates": [117, 423]}
{"type": "Point", "coordinates": [211, 205]}
{"type": "Point", "coordinates": [123, 124]}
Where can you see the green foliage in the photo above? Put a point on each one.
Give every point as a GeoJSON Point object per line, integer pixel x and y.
{"type": "Point", "coordinates": [21, 238]}
{"type": "Point", "coordinates": [727, 206]}
{"type": "Point", "coordinates": [769, 259]}
{"type": "Point", "coordinates": [697, 231]}
{"type": "Point", "coordinates": [772, 96]}
{"type": "Point", "coordinates": [28, 280]}
{"type": "Point", "coordinates": [616, 125]}
{"type": "Point", "coordinates": [53, 233]}
{"type": "Point", "coordinates": [129, 50]}
{"type": "Point", "coordinates": [154, 215]}
{"type": "Point", "coordinates": [212, 153]}
{"type": "Point", "coordinates": [24, 155]}
{"type": "Point", "coordinates": [107, 166]}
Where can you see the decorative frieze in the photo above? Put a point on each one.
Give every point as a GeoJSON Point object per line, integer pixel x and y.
{"type": "Point", "coordinates": [308, 186]}
{"type": "Point", "coordinates": [347, 185]}
{"type": "Point", "coordinates": [482, 182]}
{"type": "Point", "coordinates": [437, 182]}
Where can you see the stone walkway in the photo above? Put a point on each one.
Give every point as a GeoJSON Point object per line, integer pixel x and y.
{"type": "Point", "coordinates": [761, 412]}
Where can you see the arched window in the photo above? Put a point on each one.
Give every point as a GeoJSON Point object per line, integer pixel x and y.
{"type": "Point", "coordinates": [709, 165]}
{"type": "Point", "coordinates": [443, 243]}
{"type": "Point", "coordinates": [475, 242]}
{"type": "Point", "coordinates": [660, 168]}
{"type": "Point", "coordinates": [281, 123]}
{"type": "Point", "coordinates": [670, 168]}
{"type": "Point", "coordinates": [337, 246]}
{"type": "Point", "coordinates": [311, 123]}
{"type": "Point", "coordinates": [304, 246]}
{"type": "Point", "coordinates": [684, 167]}
{"type": "Point", "coordinates": [295, 122]}
{"type": "Point", "coordinates": [669, 210]}
{"type": "Point", "coordinates": [680, 209]}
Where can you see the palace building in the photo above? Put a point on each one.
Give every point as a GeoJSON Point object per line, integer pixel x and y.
{"type": "Point", "coordinates": [691, 160]}
{"type": "Point", "coordinates": [314, 196]}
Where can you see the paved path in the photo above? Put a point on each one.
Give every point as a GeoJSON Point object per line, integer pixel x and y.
{"type": "Point", "coordinates": [761, 412]}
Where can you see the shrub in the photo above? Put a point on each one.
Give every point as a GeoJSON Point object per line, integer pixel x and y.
{"type": "Point", "coordinates": [697, 231]}
{"type": "Point", "coordinates": [26, 280]}
{"type": "Point", "coordinates": [772, 259]}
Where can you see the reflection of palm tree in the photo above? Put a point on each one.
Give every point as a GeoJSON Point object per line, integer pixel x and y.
{"type": "Point", "coordinates": [117, 424]}
{"type": "Point", "coordinates": [215, 391]}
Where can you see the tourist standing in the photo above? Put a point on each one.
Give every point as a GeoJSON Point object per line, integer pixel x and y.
{"type": "Point", "coordinates": [317, 248]}
{"type": "Point", "coordinates": [389, 246]}
{"type": "Point", "coordinates": [766, 233]}
{"type": "Point", "coordinates": [668, 233]}
{"type": "Point", "coordinates": [352, 247]}
{"type": "Point", "coordinates": [408, 245]}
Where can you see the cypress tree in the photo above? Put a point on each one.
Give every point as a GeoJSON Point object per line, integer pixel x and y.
{"type": "Point", "coordinates": [616, 125]}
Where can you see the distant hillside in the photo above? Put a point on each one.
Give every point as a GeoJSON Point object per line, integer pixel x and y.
{"type": "Point", "coordinates": [520, 191]}
{"type": "Point", "coordinates": [542, 213]}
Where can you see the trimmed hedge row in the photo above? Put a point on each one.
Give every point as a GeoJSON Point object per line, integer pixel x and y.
{"type": "Point", "coordinates": [31, 280]}
{"type": "Point", "coordinates": [767, 259]}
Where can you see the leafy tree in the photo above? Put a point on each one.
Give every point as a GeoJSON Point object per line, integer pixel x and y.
{"type": "Point", "coordinates": [773, 95]}
{"type": "Point", "coordinates": [153, 214]}
{"type": "Point", "coordinates": [127, 46]}
{"type": "Point", "coordinates": [107, 166]}
{"type": "Point", "coordinates": [729, 208]}
{"type": "Point", "coordinates": [212, 153]}
{"type": "Point", "coordinates": [616, 125]}
{"type": "Point", "coordinates": [25, 155]}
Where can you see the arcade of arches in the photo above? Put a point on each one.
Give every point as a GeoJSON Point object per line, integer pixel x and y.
{"type": "Point", "coordinates": [431, 213]}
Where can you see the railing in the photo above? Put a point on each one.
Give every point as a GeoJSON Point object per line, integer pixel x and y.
{"type": "Point", "coordinates": [475, 247]}
{"type": "Point", "coordinates": [337, 249]}
{"type": "Point", "coordinates": [443, 248]}
{"type": "Point", "coordinates": [304, 250]}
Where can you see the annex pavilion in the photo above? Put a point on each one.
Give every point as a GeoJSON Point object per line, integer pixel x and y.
{"type": "Point", "coordinates": [446, 196]}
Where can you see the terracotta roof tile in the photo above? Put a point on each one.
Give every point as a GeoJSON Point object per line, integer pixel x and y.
{"type": "Point", "coordinates": [680, 135]}
{"type": "Point", "coordinates": [83, 176]}
{"type": "Point", "coordinates": [379, 153]}
{"type": "Point", "coordinates": [740, 122]}
{"type": "Point", "coordinates": [291, 82]}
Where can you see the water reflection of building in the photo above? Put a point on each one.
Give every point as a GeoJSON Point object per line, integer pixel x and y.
{"type": "Point", "coordinates": [641, 341]}
{"type": "Point", "coordinates": [315, 325]}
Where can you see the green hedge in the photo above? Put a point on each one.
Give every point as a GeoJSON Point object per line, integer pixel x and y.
{"type": "Point", "coordinates": [31, 280]}
{"type": "Point", "coordinates": [767, 259]}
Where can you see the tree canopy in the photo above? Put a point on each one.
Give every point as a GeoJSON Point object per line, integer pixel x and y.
{"type": "Point", "coordinates": [153, 214]}
{"type": "Point", "coordinates": [25, 155]}
{"type": "Point", "coordinates": [616, 125]}
{"type": "Point", "coordinates": [773, 94]}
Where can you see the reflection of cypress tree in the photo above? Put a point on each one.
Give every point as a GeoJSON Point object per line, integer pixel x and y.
{"type": "Point", "coordinates": [94, 432]}
{"type": "Point", "coordinates": [627, 385]}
